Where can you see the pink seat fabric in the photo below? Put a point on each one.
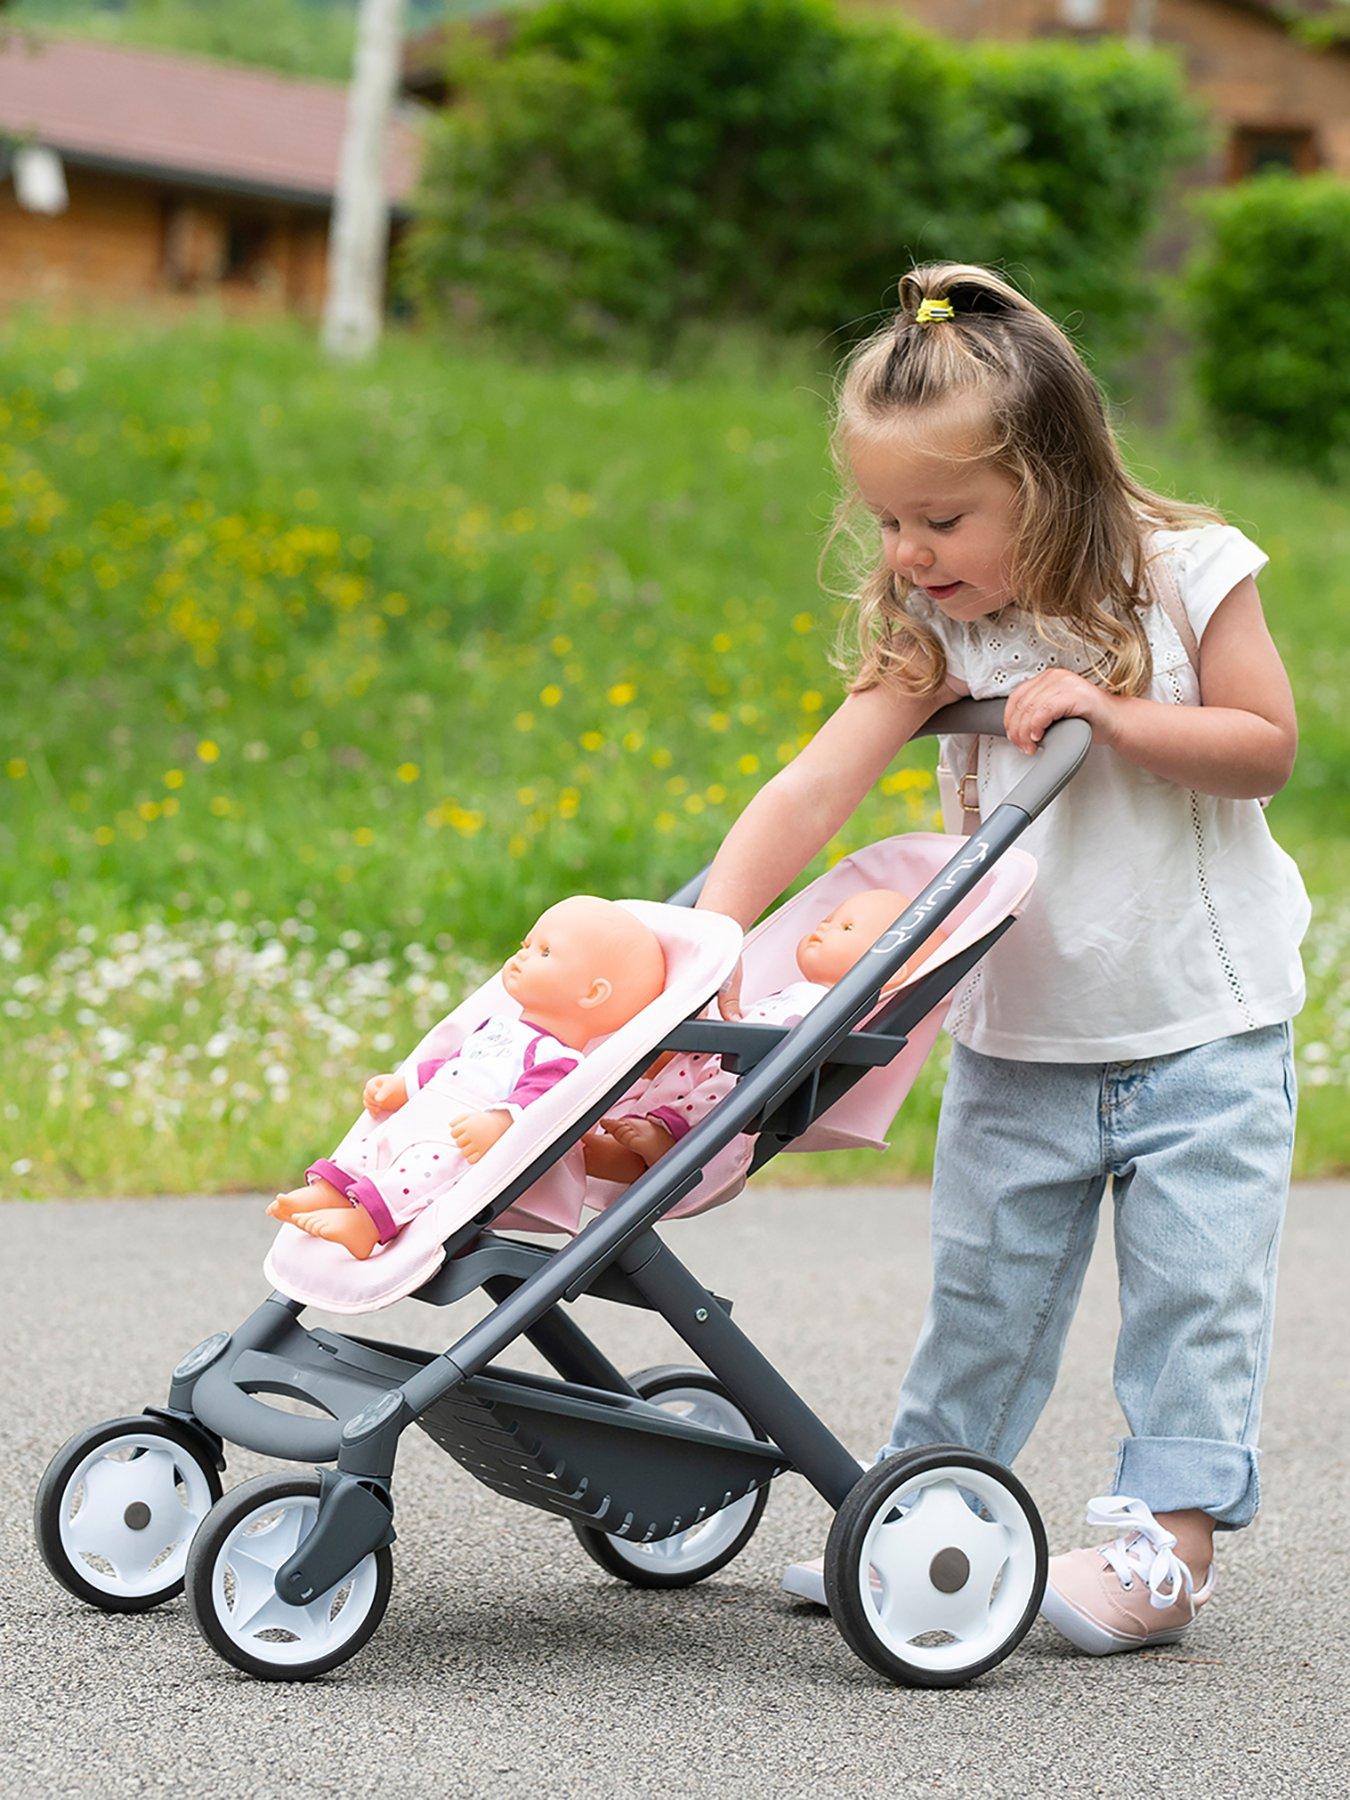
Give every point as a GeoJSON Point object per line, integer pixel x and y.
{"type": "Point", "coordinates": [863, 1117]}
{"type": "Point", "coordinates": [701, 950]}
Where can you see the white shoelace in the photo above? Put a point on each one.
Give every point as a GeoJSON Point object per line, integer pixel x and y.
{"type": "Point", "coordinates": [1143, 1551]}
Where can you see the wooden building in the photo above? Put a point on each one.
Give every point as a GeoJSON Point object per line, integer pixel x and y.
{"type": "Point", "coordinates": [1278, 98]}
{"type": "Point", "coordinates": [128, 174]}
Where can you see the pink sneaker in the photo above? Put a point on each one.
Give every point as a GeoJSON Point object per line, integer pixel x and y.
{"type": "Point", "coordinates": [1125, 1595]}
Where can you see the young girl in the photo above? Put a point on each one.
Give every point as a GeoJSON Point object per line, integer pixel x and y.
{"type": "Point", "coordinates": [1135, 1023]}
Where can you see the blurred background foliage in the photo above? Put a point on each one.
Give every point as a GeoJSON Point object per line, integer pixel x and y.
{"type": "Point", "coordinates": [624, 169]}
{"type": "Point", "coordinates": [361, 668]}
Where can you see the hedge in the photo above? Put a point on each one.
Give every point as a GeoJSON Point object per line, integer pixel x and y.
{"type": "Point", "coordinates": [1269, 301]}
{"type": "Point", "coordinates": [628, 167]}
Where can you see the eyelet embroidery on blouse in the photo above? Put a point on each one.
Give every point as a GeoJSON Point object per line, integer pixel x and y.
{"type": "Point", "coordinates": [964, 996]}
{"type": "Point", "coordinates": [1221, 950]}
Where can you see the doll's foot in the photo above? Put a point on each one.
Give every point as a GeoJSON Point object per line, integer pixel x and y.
{"type": "Point", "coordinates": [644, 1137]}
{"type": "Point", "coordinates": [318, 1195]}
{"type": "Point", "coordinates": [350, 1226]}
{"type": "Point", "coordinates": [607, 1160]}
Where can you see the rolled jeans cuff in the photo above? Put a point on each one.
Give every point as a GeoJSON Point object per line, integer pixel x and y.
{"type": "Point", "coordinates": [1178, 1474]}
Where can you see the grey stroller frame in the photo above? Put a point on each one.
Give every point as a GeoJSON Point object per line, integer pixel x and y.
{"type": "Point", "coordinates": [661, 1491]}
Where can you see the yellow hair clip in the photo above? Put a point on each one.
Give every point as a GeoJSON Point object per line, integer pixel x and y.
{"type": "Point", "coordinates": [929, 310]}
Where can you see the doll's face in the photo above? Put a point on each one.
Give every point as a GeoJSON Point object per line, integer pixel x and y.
{"type": "Point", "coordinates": [587, 966]}
{"type": "Point", "coordinates": [837, 943]}
{"type": "Point", "coordinates": [554, 966]}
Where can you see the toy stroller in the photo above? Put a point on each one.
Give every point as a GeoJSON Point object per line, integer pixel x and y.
{"type": "Point", "coordinates": [936, 1561]}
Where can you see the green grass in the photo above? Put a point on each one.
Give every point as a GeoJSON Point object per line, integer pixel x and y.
{"type": "Point", "coordinates": [350, 662]}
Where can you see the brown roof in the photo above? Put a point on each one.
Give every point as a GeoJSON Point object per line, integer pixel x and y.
{"type": "Point", "coordinates": [186, 119]}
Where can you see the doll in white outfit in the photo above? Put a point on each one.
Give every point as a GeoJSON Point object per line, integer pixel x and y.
{"type": "Point", "coordinates": [585, 969]}
{"type": "Point", "coordinates": [681, 1088]}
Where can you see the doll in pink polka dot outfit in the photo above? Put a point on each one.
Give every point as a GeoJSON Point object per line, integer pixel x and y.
{"type": "Point", "coordinates": [681, 1088]}
{"type": "Point", "coordinates": [585, 969]}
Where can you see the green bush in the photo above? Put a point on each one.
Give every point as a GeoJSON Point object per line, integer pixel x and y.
{"type": "Point", "coordinates": [1269, 294]}
{"type": "Point", "coordinates": [629, 167]}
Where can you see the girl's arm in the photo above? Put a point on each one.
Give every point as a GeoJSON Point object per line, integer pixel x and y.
{"type": "Point", "coordinates": [1239, 743]}
{"type": "Point", "coordinates": [797, 812]}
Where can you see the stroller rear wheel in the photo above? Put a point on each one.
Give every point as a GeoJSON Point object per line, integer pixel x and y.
{"type": "Point", "coordinates": [691, 1555]}
{"type": "Point", "coordinates": [117, 1508]}
{"type": "Point", "coordinates": [231, 1585]}
{"type": "Point", "coordinates": [935, 1566]}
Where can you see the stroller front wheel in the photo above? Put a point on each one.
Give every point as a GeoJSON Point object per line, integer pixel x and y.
{"type": "Point", "coordinates": [935, 1566]}
{"type": "Point", "coordinates": [231, 1585]}
{"type": "Point", "coordinates": [704, 1548]}
{"type": "Point", "coordinates": [116, 1511]}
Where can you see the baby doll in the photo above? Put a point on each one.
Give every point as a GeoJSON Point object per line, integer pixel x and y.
{"type": "Point", "coordinates": [682, 1088]}
{"type": "Point", "coordinates": [586, 968]}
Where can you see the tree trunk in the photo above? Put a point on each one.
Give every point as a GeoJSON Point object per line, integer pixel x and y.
{"type": "Point", "coordinates": [358, 238]}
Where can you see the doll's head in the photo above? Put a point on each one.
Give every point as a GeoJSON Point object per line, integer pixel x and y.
{"type": "Point", "coordinates": [828, 952]}
{"type": "Point", "coordinates": [586, 967]}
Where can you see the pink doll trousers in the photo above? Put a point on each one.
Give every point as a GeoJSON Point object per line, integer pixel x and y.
{"type": "Point", "coordinates": [396, 1166]}
{"type": "Point", "coordinates": [682, 1095]}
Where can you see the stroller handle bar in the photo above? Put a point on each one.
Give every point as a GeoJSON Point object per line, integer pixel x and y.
{"type": "Point", "coordinates": [1063, 748]}
{"type": "Point", "coordinates": [613, 1234]}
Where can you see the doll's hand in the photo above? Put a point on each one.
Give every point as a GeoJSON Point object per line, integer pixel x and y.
{"type": "Point", "coordinates": [476, 1133]}
{"type": "Point", "coordinates": [384, 1094]}
{"type": "Point", "coordinates": [1034, 706]}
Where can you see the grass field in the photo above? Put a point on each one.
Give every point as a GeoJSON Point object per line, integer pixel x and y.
{"type": "Point", "coordinates": [319, 684]}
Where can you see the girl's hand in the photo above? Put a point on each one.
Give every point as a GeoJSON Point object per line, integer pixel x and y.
{"type": "Point", "coordinates": [1034, 706]}
{"type": "Point", "coordinates": [729, 994]}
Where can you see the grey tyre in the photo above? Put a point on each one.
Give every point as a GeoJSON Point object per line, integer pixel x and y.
{"type": "Point", "coordinates": [702, 1549]}
{"type": "Point", "coordinates": [117, 1508]}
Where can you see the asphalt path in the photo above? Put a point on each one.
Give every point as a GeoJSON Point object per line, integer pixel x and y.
{"type": "Point", "coordinates": [509, 1664]}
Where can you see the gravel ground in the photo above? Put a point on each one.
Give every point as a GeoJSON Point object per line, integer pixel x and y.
{"type": "Point", "coordinates": [508, 1662]}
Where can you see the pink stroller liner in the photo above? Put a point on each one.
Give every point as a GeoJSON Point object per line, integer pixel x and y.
{"type": "Point", "coordinates": [701, 950]}
{"type": "Point", "coordinates": [863, 1116]}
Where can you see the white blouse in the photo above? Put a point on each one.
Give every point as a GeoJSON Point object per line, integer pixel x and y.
{"type": "Point", "coordinates": [1161, 918]}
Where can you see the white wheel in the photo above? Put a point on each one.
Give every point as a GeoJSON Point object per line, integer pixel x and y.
{"type": "Point", "coordinates": [231, 1584]}
{"type": "Point", "coordinates": [117, 1508]}
{"type": "Point", "coordinates": [935, 1566]}
{"type": "Point", "coordinates": [690, 1555]}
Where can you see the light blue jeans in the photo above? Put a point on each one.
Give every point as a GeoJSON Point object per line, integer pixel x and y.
{"type": "Point", "coordinates": [1198, 1147]}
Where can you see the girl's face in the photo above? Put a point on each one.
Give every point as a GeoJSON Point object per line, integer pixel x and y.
{"type": "Point", "coordinates": [947, 516]}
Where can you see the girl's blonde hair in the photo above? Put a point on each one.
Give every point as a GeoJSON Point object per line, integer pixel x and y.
{"type": "Point", "coordinates": [1077, 554]}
